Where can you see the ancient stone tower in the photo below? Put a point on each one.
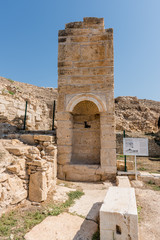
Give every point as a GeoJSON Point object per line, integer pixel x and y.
{"type": "Point", "coordinates": [85, 119]}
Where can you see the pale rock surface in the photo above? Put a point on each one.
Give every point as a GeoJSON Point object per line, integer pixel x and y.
{"type": "Point", "coordinates": [118, 215]}
{"type": "Point", "coordinates": [61, 193]}
{"type": "Point", "coordinates": [137, 184]}
{"type": "Point", "coordinates": [89, 204]}
{"type": "Point", "coordinates": [38, 187]}
{"type": "Point", "coordinates": [63, 227]}
{"type": "Point", "coordinates": [123, 181]}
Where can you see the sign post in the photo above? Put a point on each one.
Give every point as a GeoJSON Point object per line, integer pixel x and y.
{"type": "Point", "coordinates": [136, 147]}
{"type": "Point", "coordinates": [135, 160]}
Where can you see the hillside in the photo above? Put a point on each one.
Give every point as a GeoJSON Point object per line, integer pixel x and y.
{"type": "Point", "coordinates": [13, 97]}
{"type": "Point", "coordinates": [132, 114]}
{"type": "Point", "coordinates": [137, 115]}
{"type": "Point", "coordinates": [27, 91]}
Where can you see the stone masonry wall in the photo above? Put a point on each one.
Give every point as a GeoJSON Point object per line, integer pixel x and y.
{"type": "Point", "coordinates": [85, 73]}
{"type": "Point", "coordinates": [26, 170]}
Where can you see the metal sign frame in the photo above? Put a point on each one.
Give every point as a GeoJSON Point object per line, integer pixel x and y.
{"type": "Point", "coordinates": [135, 147]}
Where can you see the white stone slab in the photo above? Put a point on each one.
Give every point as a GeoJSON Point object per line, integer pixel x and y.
{"type": "Point", "coordinates": [123, 181]}
{"type": "Point", "coordinates": [118, 215]}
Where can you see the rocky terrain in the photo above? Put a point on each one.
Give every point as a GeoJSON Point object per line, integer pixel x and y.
{"type": "Point", "coordinates": [27, 160]}
{"type": "Point", "coordinates": [136, 115]}
{"type": "Point", "coordinates": [132, 114]}
{"type": "Point", "coordinates": [13, 97]}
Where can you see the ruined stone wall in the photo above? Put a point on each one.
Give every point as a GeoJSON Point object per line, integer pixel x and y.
{"type": "Point", "coordinates": [27, 171]}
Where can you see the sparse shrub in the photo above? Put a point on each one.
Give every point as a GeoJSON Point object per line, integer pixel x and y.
{"type": "Point", "coordinates": [139, 208]}
{"type": "Point", "coordinates": [142, 169]}
{"type": "Point", "coordinates": [10, 92]}
{"type": "Point", "coordinates": [19, 224]}
{"type": "Point", "coordinates": [10, 80]}
{"type": "Point", "coordinates": [153, 186]}
{"type": "Point", "coordinates": [96, 236]}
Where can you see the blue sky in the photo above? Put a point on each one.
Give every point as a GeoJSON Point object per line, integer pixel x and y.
{"type": "Point", "coordinates": [29, 40]}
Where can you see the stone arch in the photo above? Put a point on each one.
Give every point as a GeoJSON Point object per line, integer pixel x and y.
{"type": "Point", "coordinates": [100, 103]}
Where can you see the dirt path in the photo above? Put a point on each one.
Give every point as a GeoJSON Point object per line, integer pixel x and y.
{"type": "Point", "coordinates": [149, 219]}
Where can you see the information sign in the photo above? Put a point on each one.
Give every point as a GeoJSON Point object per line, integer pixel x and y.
{"type": "Point", "coordinates": [135, 146]}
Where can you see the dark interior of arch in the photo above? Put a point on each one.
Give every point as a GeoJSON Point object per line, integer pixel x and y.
{"type": "Point", "coordinates": [86, 133]}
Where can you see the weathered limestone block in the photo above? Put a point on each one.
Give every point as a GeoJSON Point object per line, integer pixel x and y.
{"type": "Point", "coordinates": [27, 138]}
{"type": "Point", "coordinates": [63, 158]}
{"type": "Point", "coordinates": [118, 215]}
{"type": "Point", "coordinates": [38, 187]}
{"type": "Point", "coordinates": [121, 165]}
{"type": "Point", "coordinates": [33, 153]}
{"type": "Point", "coordinates": [108, 157]}
{"type": "Point", "coordinates": [79, 172]}
{"type": "Point", "coordinates": [14, 168]}
{"type": "Point", "coordinates": [3, 177]}
{"type": "Point", "coordinates": [17, 150]}
{"type": "Point", "coordinates": [39, 163]}
{"type": "Point", "coordinates": [16, 190]}
{"type": "Point", "coordinates": [43, 138]}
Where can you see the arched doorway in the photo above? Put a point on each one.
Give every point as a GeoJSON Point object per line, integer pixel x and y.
{"type": "Point", "coordinates": [86, 133]}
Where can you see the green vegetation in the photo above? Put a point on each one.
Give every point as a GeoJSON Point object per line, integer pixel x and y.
{"type": "Point", "coordinates": [142, 169]}
{"type": "Point", "coordinates": [10, 80]}
{"type": "Point", "coordinates": [10, 92]}
{"type": "Point", "coordinates": [7, 223]}
{"type": "Point", "coordinates": [139, 208]}
{"type": "Point", "coordinates": [153, 186]}
{"type": "Point", "coordinates": [19, 223]}
{"type": "Point", "coordinates": [96, 236]}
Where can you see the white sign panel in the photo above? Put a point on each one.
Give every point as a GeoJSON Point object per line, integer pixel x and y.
{"type": "Point", "coordinates": [135, 146]}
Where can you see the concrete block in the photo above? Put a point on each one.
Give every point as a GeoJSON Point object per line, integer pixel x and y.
{"type": "Point", "coordinates": [118, 215]}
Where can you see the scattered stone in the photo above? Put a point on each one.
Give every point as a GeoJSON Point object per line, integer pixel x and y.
{"type": "Point", "coordinates": [137, 184]}
{"type": "Point", "coordinates": [14, 168]}
{"type": "Point", "coordinates": [35, 204]}
{"type": "Point", "coordinates": [44, 138]}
